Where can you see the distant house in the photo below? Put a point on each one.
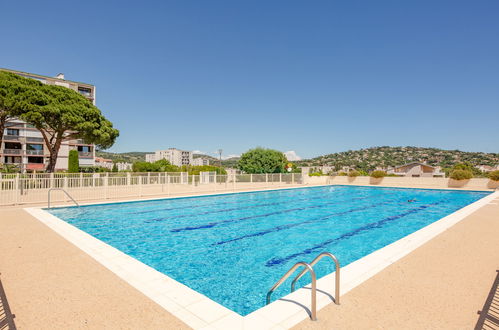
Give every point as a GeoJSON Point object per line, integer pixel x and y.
{"type": "Point", "coordinates": [416, 169]}
{"type": "Point", "coordinates": [487, 168]}
{"type": "Point", "coordinates": [103, 162]}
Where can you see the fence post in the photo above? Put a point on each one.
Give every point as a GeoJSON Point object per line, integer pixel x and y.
{"type": "Point", "coordinates": [140, 185]}
{"type": "Point", "coordinates": [167, 184]}
{"type": "Point", "coordinates": [128, 179]}
{"type": "Point", "coordinates": [16, 191]}
{"type": "Point", "coordinates": [292, 178]}
{"type": "Point", "coordinates": [266, 178]}
{"type": "Point", "coordinates": [280, 179]}
{"type": "Point", "coordinates": [251, 178]}
{"type": "Point", "coordinates": [51, 178]}
{"type": "Point", "coordinates": [106, 184]}
{"type": "Point", "coordinates": [234, 183]}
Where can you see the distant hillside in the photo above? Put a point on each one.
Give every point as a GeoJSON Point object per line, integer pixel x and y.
{"type": "Point", "coordinates": [129, 157]}
{"type": "Point", "coordinates": [368, 159]}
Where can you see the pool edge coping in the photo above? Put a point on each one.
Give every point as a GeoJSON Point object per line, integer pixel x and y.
{"type": "Point", "coordinates": [200, 312]}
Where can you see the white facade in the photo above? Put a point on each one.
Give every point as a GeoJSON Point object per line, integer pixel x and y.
{"type": "Point", "coordinates": [150, 158]}
{"type": "Point", "coordinates": [124, 166]}
{"type": "Point", "coordinates": [201, 162]}
{"type": "Point", "coordinates": [174, 156]}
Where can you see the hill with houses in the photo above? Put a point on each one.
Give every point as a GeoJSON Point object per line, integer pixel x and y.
{"type": "Point", "coordinates": [386, 157]}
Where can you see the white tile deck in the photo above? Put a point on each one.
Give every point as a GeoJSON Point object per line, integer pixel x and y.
{"type": "Point", "coordinates": [200, 312]}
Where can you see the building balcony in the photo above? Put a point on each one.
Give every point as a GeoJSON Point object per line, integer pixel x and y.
{"type": "Point", "coordinates": [12, 151]}
{"type": "Point", "coordinates": [84, 154]}
{"type": "Point", "coordinates": [34, 152]}
{"type": "Point", "coordinates": [12, 138]}
{"type": "Point", "coordinates": [34, 139]}
{"type": "Point", "coordinates": [35, 166]}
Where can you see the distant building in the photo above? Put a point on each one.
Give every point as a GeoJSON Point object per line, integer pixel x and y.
{"type": "Point", "coordinates": [416, 169]}
{"type": "Point", "coordinates": [150, 158]}
{"type": "Point", "coordinates": [174, 156]}
{"type": "Point", "coordinates": [487, 168]}
{"type": "Point", "coordinates": [23, 145]}
{"type": "Point", "coordinates": [325, 169]}
{"type": "Point", "coordinates": [124, 166]}
{"type": "Point", "coordinates": [201, 162]}
{"type": "Point", "coordinates": [104, 162]}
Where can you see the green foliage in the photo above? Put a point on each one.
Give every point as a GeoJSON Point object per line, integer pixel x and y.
{"type": "Point", "coordinates": [363, 173]}
{"type": "Point", "coordinates": [260, 160]}
{"type": "Point", "coordinates": [378, 174]}
{"type": "Point", "coordinates": [353, 173]}
{"type": "Point", "coordinates": [161, 165]}
{"type": "Point", "coordinates": [318, 173]}
{"type": "Point", "coordinates": [16, 93]}
{"type": "Point", "coordinates": [461, 174]}
{"type": "Point", "coordinates": [9, 168]}
{"type": "Point", "coordinates": [494, 175]}
{"type": "Point", "coordinates": [195, 170]}
{"type": "Point", "coordinates": [93, 169]}
{"type": "Point", "coordinates": [115, 168]}
{"type": "Point", "coordinates": [73, 162]}
{"type": "Point", "coordinates": [342, 173]}
{"type": "Point", "coordinates": [59, 113]}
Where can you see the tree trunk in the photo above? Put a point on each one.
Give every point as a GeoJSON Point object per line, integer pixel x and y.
{"type": "Point", "coordinates": [54, 152]}
{"type": "Point", "coordinates": [2, 128]}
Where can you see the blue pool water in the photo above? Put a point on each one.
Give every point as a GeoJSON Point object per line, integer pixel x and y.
{"type": "Point", "coordinates": [233, 248]}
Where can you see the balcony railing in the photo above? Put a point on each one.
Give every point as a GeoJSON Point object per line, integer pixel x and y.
{"type": "Point", "coordinates": [34, 139]}
{"type": "Point", "coordinates": [12, 151]}
{"type": "Point", "coordinates": [11, 137]}
{"type": "Point", "coordinates": [34, 152]}
{"type": "Point", "coordinates": [85, 154]}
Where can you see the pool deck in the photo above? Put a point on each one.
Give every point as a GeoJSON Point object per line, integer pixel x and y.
{"type": "Point", "coordinates": [51, 284]}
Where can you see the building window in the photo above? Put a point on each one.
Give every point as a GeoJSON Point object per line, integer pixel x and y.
{"type": "Point", "coordinates": [84, 149]}
{"type": "Point", "coordinates": [35, 160]}
{"type": "Point", "coordinates": [85, 91]}
{"type": "Point", "coordinates": [34, 147]}
{"type": "Point", "coordinates": [12, 160]}
{"type": "Point", "coordinates": [10, 145]}
{"type": "Point", "coordinates": [11, 131]}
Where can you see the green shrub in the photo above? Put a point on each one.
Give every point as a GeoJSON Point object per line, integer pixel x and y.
{"type": "Point", "coordinates": [342, 174]}
{"type": "Point", "coordinates": [494, 175]}
{"type": "Point", "coordinates": [461, 175]}
{"type": "Point", "coordinates": [378, 174]}
{"type": "Point", "coordinates": [73, 162]}
{"type": "Point", "coordinates": [353, 174]}
{"type": "Point", "coordinates": [315, 173]}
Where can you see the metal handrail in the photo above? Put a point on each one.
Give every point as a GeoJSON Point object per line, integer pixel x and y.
{"type": "Point", "coordinates": [337, 275]}
{"type": "Point", "coordinates": [313, 307]}
{"type": "Point", "coordinates": [67, 194]}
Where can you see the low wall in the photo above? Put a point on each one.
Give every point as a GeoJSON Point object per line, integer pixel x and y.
{"type": "Point", "coordinates": [408, 182]}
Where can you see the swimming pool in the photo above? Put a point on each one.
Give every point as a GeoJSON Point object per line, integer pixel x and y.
{"type": "Point", "coordinates": [233, 248]}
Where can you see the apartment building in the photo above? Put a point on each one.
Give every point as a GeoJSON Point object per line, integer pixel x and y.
{"type": "Point", "coordinates": [23, 145]}
{"type": "Point", "coordinates": [174, 156]}
{"type": "Point", "coordinates": [201, 161]}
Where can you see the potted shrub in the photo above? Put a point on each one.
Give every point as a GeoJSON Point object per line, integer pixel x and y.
{"type": "Point", "coordinates": [353, 174]}
{"type": "Point", "coordinates": [460, 175]}
{"type": "Point", "coordinates": [494, 175]}
{"type": "Point", "coordinates": [378, 174]}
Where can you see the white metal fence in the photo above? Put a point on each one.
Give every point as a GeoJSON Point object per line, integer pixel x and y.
{"type": "Point", "coordinates": [33, 188]}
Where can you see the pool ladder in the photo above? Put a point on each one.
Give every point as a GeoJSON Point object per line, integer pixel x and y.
{"type": "Point", "coordinates": [67, 194]}
{"type": "Point", "coordinates": [309, 268]}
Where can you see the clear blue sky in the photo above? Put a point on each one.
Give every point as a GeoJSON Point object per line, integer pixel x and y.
{"type": "Point", "coordinates": [311, 76]}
